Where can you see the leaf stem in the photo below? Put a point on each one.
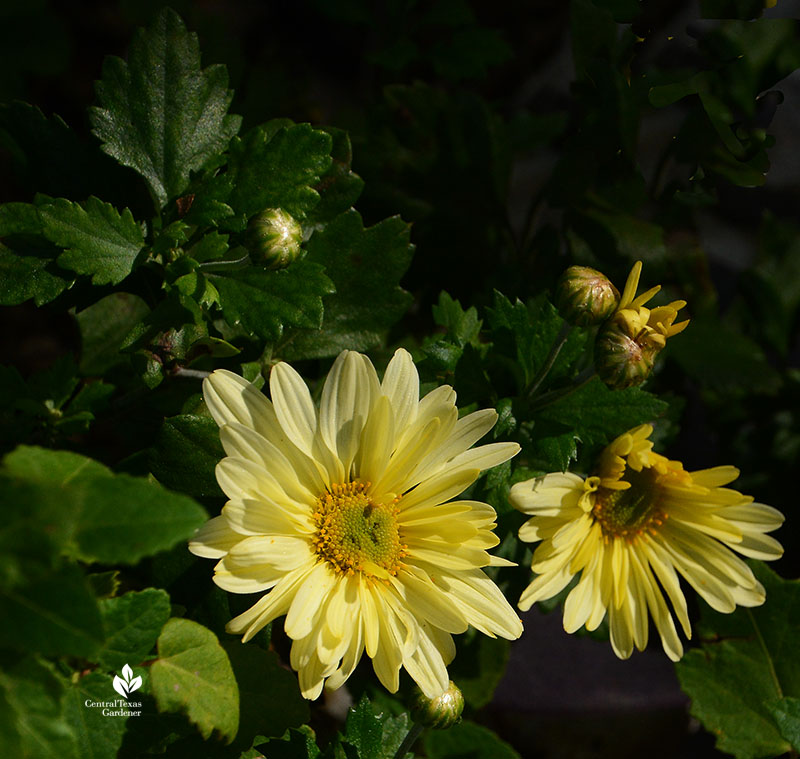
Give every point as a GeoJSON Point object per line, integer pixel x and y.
{"type": "Point", "coordinates": [182, 371]}
{"type": "Point", "coordinates": [408, 741]}
{"type": "Point", "coordinates": [586, 376]}
{"type": "Point", "coordinates": [555, 349]}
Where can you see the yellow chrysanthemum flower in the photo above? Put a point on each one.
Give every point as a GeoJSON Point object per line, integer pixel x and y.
{"type": "Point", "coordinates": [343, 514]}
{"type": "Point", "coordinates": [628, 343]}
{"type": "Point", "coordinates": [628, 532]}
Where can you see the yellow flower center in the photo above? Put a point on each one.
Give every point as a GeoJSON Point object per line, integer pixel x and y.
{"type": "Point", "coordinates": [355, 534]}
{"type": "Point", "coordinates": [631, 512]}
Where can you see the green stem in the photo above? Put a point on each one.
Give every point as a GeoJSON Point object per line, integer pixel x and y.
{"type": "Point", "coordinates": [237, 263]}
{"type": "Point", "coordinates": [586, 376]}
{"type": "Point", "coordinates": [555, 349]}
{"type": "Point", "coordinates": [409, 741]}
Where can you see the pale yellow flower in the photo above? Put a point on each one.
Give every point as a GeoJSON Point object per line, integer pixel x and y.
{"type": "Point", "coordinates": [342, 517]}
{"type": "Point", "coordinates": [628, 531]}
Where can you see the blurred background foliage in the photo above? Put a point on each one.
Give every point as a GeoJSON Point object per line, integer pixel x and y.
{"type": "Point", "coordinates": [517, 137]}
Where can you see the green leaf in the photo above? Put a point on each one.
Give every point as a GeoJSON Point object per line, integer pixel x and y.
{"type": "Point", "coordinates": [98, 239]}
{"type": "Point", "coordinates": [34, 724]}
{"type": "Point", "coordinates": [193, 675]}
{"type": "Point", "coordinates": [597, 415]}
{"type": "Point", "coordinates": [466, 740]}
{"type": "Point", "coordinates": [462, 326]}
{"type": "Point", "coordinates": [54, 614]}
{"type": "Point", "coordinates": [741, 679]}
{"type": "Point", "coordinates": [366, 266]}
{"type": "Point", "coordinates": [74, 494]}
{"type": "Point", "coordinates": [103, 327]}
{"type": "Point", "coordinates": [374, 736]}
{"type": "Point", "coordinates": [267, 302]}
{"type": "Point", "coordinates": [98, 736]}
{"type": "Point", "coordinates": [266, 711]}
{"type": "Point", "coordinates": [161, 114]}
{"type": "Point", "coordinates": [132, 624]}
{"type": "Point", "coordinates": [786, 713]}
{"type": "Point", "coordinates": [339, 187]}
{"type": "Point", "coordinates": [278, 170]}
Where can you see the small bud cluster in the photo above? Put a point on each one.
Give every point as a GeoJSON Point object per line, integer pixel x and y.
{"type": "Point", "coordinates": [630, 335]}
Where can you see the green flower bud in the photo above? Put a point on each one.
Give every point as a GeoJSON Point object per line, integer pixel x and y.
{"type": "Point", "coordinates": [585, 297]}
{"type": "Point", "coordinates": [625, 350]}
{"type": "Point", "coordinates": [273, 238]}
{"type": "Point", "coordinates": [439, 713]}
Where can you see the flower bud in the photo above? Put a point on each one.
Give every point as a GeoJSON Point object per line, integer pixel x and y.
{"type": "Point", "coordinates": [585, 297]}
{"type": "Point", "coordinates": [439, 713]}
{"type": "Point", "coordinates": [625, 350]}
{"type": "Point", "coordinates": [273, 238]}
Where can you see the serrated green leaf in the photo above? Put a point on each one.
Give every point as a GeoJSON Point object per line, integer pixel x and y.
{"type": "Point", "coordinates": [161, 114]}
{"type": "Point", "coordinates": [278, 170]}
{"type": "Point", "coordinates": [268, 302]}
{"type": "Point", "coordinates": [373, 736]}
{"type": "Point", "coordinates": [27, 267]}
{"type": "Point", "coordinates": [99, 241]}
{"type": "Point", "coordinates": [466, 740]}
{"type": "Point", "coordinates": [193, 675]}
{"type": "Point", "coordinates": [132, 623]}
{"type": "Point", "coordinates": [98, 735]}
{"type": "Point", "coordinates": [73, 497]}
{"type": "Point", "coordinates": [463, 326]}
{"type": "Point", "coordinates": [746, 664]}
{"type": "Point", "coordinates": [35, 724]}
{"type": "Point", "coordinates": [366, 265]}
{"type": "Point", "coordinates": [339, 187]}
{"type": "Point", "coordinates": [597, 414]}
{"type": "Point", "coordinates": [269, 711]}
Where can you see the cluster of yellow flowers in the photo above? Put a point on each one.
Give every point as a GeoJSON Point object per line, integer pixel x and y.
{"type": "Point", "coordinates": [342, 517]}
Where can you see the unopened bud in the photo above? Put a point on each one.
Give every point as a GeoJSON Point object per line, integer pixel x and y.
{"type": "Point", "coordinates": [625, 350]}
{"type": "Point", "coordinates": [585, 297]}
{"type": "Point", "coordinates": [439, 713]}
{"type": "Point", "coordinates": [273, 238]}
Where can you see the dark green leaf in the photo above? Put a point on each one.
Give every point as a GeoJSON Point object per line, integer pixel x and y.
{"type": "Point", "coordinates": [479, 666]}
{"type": "Point", "coordinates": [35, 726]}
{"type": "Point", "coordinates": [132, 624]}
{"type": "Point", "coordinates": [266, 711]}
{"type": "Point", "coordinates": [267, 302]}
{"type": "Point", "coordinates": [366, 265]}
{"type": "Point", "coordinates": [98, 239]}
{"type": "Point", "coordinates": [467, 740]}
{"type": "Point", "coordinates": [339, 187]}
{"type": "Point", "coordinates": [103, 327]}
{"type": "Point", "coordinates": [98, 736]}
{"type": "Point", "coordinates": [278, 170]}
{"type": "Point", "coordinates": [747, 663]}
{"type": "Point", "coordinates": [297, 744]}
{"type": "Point", "coordinates": [185, 454]}
{"type": "Point", "coordinates": [193, 675]}
{"type": "Point", "coordinates": [786, 713]}
{"type": "Point", "coordinates": [54, 614]}
{"type": "Point", "coordinates": [462, 326]}
{"type": "Point", "coordinates": [161, 114]}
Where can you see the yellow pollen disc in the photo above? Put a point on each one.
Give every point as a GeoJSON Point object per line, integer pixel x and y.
{"type": "Point", "coordinates": [355, 534]}
{"type": "Point", "coordinates": [631, 512]}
